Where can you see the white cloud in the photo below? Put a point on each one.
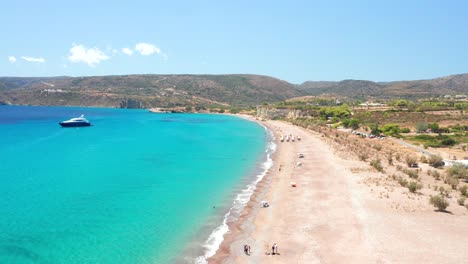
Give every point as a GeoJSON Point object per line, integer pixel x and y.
{"type": "Point", "coordinates": [91, 56]}
{"type": "Point", "coordinates": [12, 59]}
{"type": "Point", "coordinates": [32, 59]}
{"type": "Point", "coordinates": [147, 49]}
{"type": "Point", "coordinates": [127, 51]}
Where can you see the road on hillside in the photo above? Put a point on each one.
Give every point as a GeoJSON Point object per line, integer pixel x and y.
{"type": "Point", "coordinates": [401, 142]}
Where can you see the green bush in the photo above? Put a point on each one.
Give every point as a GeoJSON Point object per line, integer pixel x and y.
{"type": "Point", "coordinates": [353, 123]}
{"type": "Point", "coordinates": [439, 201]}
{"type": "Point", "coordinates": [448, 142]}
{"type": "Point", "coordinates": [434, 127]}
{"type": "Point", "coordinates": [405, 130]}
{"type": "Point", "coordinates": [421, 126]}
{"type": "Point", "coordinates": [390, 129]}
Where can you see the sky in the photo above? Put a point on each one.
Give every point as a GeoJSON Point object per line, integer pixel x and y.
{"type": "Point", "coordinates": [291, 40]}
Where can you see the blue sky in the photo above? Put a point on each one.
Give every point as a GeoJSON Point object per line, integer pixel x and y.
{"type": "Point", "coordinates": [291, 40]}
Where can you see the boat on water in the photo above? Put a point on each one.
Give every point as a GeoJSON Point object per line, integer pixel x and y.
{"type": "Point", "coordinates": [76, 122]}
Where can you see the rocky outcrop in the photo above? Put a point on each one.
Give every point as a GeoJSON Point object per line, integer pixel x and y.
{"type": "Point", "coordinates": [131, 103]}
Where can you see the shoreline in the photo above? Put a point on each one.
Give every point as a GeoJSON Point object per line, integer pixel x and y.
{"type": "Point", "coordinates": [238, 228]}
{"type": "Point", "coordinates": [241, 200]}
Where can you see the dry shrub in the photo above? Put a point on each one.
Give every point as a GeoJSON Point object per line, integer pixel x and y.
{"type": "Point", "coordinates": [461, 201]}
{"type": "Point", "coordinates": [435, 161]}
{"type": "Point", "coordinates": [443, 192]}
{"type": "Point", "coordinates": [377, 165]}
{"type": "Point", "coordinates": [378, 147]}
{"type": "Point", "coordinates": [390, 158]}
{"type": "Point", "coordinates": [402, 181]}
{"type": "Point", "coordinates": [439, 201]}
{"type": "Point", "coordinates": [463, 190]}
{"type": "Point", "coordinates": [414, 186]}
{"type": "Point", "coordinates": [453, 182]}
{"type": "Point", "coordinates": [423, 159]}
{"type": "Point", "coordinates": [434, 174]}
{"type": "Point", "coordinates": [457, 171]}
{"type": "Point", "coordinates": [363, 156]}
{"type": "Point", "coordinates": [410, 160]}
{"type": "Point", "coordinates": [398, 156]}
{"type": "Point", "coordinates": [413, 174]}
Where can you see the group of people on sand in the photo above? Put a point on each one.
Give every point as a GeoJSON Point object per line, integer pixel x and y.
{"type": "Point", "coordinates": [274, 250]}
{"type": "Point", "coordinates": [247, 250]}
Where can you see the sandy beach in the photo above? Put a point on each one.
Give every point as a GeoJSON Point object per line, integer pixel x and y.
{"type": "Point", "coordinates": [340, 212]}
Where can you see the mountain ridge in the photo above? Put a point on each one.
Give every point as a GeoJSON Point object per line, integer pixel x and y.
{"type": "Point", "coordinates": [227, 90]}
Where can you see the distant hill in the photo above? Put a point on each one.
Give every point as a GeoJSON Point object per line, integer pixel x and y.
{"type": "Point", "coordinates": [145, 91]}
{"type": "Point", "coordinates": [453, 84]}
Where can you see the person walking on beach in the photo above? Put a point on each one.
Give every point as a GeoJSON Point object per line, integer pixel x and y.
{"type": "Point", "coordinates": [246, 249]}
{"type": "Point", "coordinates": [276, 249]}
{"type": "Point", "coordinates": [250, 251]}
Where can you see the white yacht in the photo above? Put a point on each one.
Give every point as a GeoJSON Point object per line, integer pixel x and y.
{"type": "Point", "coordinates": [76, 122]}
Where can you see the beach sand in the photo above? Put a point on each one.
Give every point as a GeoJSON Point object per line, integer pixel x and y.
{"type": "Point", "coordinates": [335, 216]}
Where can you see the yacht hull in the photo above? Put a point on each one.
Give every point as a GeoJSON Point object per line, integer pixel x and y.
{"type": "Point", "coordinates": [75, 124]}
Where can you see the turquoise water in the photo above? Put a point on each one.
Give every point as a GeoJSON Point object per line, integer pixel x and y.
{"type": "Point", "coordinates": [135, 187]}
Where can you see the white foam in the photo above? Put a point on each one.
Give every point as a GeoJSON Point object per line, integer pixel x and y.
{"type": "Point", "coordinates": [217, 236]}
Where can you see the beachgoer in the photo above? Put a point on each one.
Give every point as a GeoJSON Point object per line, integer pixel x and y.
{"type": "Point", "coordinates": [276, 249]}
{"type": "Point", "coordinates": [250, 251]}
{"type": "Point", "coordinates": [273, 249]}
{"type": "Point", "coordinates": [245, 249]}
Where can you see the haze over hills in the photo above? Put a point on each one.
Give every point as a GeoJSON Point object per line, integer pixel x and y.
{"type": "Point", "coordinates": [145, 91]}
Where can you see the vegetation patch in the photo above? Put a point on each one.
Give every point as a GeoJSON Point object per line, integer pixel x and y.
{"type": "Point", "coordinates": [439, 202]}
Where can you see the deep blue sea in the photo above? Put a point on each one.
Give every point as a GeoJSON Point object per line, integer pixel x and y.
{"type": "Point", "coordinates": [136, 187]}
